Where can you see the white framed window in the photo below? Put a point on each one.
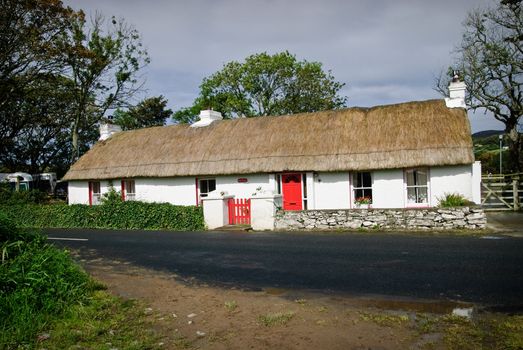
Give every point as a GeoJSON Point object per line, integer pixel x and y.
{"type": "Point", "coordinates": [128, 190]}
{"type": "Point", "coordinates": [417, 186]}
{"type": "Point", "coordinates": [94, 192]}
{"type": "Point", "coordinates": [205, 186]}
{"type": "Point", "coordinates": [362, 187]}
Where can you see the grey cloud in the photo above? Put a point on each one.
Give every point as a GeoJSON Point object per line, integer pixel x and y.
{"type": "Point", "coordinates": [385, 51]}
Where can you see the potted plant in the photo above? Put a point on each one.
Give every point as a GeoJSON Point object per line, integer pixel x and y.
{"type": "Point", "coordinates": [363, 202]}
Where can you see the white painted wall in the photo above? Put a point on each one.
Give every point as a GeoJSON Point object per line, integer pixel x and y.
{"type": "Point", "coordinates": [450, 179]}
{"type": "Point", "coordinates": [78, 192]}
{"type": "Point", "coordinates": [325, 191]}
{"type": "Point", "coordinates": [263, 211]}
{"type": "Point", "coordinates": [331, 191]}
{"type": "Point", "coordinates": [179, 190]}
{"type": "Point", "coordinates": [231, 185]}
{"type": "Point", "coordinates": [215, 211]}
{"type": "Point", "coordinates": [388, 189]}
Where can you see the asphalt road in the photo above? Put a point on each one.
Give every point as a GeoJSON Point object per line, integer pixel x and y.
{"type": "Point", "coordinates": [483, 270]}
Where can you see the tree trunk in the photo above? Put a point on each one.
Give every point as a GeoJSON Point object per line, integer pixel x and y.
{"type": "Point", "coordinates": [75, 152]}
{"type": "Point", "coordinates": [514, 145]}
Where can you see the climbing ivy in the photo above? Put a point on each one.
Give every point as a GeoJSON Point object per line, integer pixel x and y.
{"type": "Point", "coordinates": [112, 214]}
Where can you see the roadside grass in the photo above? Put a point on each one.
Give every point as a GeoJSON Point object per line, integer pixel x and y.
{"type": "Point", "coordinates": [276, 319]}
{"type": "Point", "coordinates": [106, 322]}
{"type": "Point", "coordinates": [48, 301]}
{"type": "Point", "coordinates": [384, 319]}
{"type": "Point", "coordinates": [231, 306]}
{"type": "Point", "coordinates": [484, 331]}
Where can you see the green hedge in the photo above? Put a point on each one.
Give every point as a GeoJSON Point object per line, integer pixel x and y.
{"type": "Point", "coordinates": [124, 215]}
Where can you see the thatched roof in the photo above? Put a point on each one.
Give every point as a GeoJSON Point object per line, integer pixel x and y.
{"type": "Point", "coordinates": [394, 136]}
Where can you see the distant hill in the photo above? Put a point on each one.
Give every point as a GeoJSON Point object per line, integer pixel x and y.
{"type": "Point", "coordinates": [486, 133]}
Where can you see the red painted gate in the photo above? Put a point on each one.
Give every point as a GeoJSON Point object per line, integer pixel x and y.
{"type": "Point", "coordinates": [239, 211]}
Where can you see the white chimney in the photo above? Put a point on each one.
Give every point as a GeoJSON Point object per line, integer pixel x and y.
{"type": "Point", "coordinates": [457, 91]}
{"type": "Point", "coordinates": [107, 129]}
{"type": "Point", "coordinates": [206, 118]}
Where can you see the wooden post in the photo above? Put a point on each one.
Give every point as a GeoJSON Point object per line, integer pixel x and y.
{"type": "Point", "coordinates": [515, 194]}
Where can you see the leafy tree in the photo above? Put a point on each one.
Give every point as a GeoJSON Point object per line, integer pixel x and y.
{"type": "Point", "coordinates": [149, 112]}
{"type": "Point", "coordinates": [491, 59]}
{"type": "Point", "coordinates": [28, 29]}
{"type": "Point", "coordinates": [266, 85]}
{"type": "Point", "coordinates": [103, 67]}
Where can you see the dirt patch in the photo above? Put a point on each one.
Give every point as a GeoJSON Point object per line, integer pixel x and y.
{"type": "Point", "coordinates": [191, 315]}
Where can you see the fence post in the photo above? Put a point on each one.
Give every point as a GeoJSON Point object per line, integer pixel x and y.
{"type": "Point", "coordinates": [515, 193]}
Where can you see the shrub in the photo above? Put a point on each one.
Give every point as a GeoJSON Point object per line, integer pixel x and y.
{"type": "Point", "coordinates": [115, 215]}
{"type": "Point", "coordinates": [8, 196]}
{"type": "Point", "coordinates": [453, 200]}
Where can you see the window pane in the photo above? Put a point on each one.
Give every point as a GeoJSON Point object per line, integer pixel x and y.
{"type": "Point", "coordinates": [357, 180]}
{"type": "Point", "coordinates": [411, 195]}
{"type": "Point", "coordinates": [422, 178]}
{"type": "Point", "coordinates": [212, 185]}
{"type": "Point", "coordinates": [367, 182]}
{"type": "Point", "coordinates": [204, 188]}
{"type": "Point", "coordinates": [410, 178]}
{"type": "Point", "coordinates": [304, 177]}
{"type": "Point", "coordinates": [129, 186]}
{"type": "Point", "coordinates": [417, 195]}
{"type": "Point", "coordinates": [96, 187]}
{"type": "Point", "coordinates": [362, 179]}
{"type": "Point", "coordinates": [422, 195]}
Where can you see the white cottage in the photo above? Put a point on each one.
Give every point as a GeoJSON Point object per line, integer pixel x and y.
{"type": "Point", "coordinates": [394, 156]}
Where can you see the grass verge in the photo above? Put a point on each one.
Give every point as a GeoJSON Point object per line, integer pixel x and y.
{"type": "Point", "coordinates": [106, 322]}
{"type": "Point", "coordinates": [484, 331]}
{"type": "Point", "coordinates": [46, 297]}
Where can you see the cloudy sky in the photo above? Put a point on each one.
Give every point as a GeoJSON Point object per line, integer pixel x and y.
{"type": "Point", "coordinates": [384, 51]}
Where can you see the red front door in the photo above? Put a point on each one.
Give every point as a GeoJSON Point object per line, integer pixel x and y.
{"type": "Point", "coordinates": [291, 188]}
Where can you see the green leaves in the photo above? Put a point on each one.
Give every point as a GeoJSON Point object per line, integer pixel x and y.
{"type": "Point", "coordinates": [115, 215]}
{"type": "Point", "coordinates": [266, 85]}
{"type": "Point", "coordinates": [149, 112]}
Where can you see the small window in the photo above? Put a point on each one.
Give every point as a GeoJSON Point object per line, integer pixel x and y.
{"type": "Point", "coordinates": [206, 186]}
{"type": "Point", "coordinates": [94, 193]}
{"type": "Point", "coordinates": [417, 186]}
{"type": "Point", "coordinates": [362, 186]}
{"type": "Point", "coordinates": [304, 182]}
{"type": "Point", "coordinates": [128, 190]}
{"type": "Point", "coordinates": [278, 183]}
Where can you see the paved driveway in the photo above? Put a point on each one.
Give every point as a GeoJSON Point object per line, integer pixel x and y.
{"type": "Point", "coordinates": [506, 221]}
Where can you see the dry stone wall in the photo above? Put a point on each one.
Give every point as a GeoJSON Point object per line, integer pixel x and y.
{"type": "Point", "coordinates": [410, 219]}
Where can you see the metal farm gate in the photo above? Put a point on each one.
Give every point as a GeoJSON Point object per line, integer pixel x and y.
{"type": "Point", "coordinates": [501, 192]}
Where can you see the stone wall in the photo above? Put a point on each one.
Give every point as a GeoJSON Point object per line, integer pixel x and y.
{"type": "Point", "coordinates": [410, 219]}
